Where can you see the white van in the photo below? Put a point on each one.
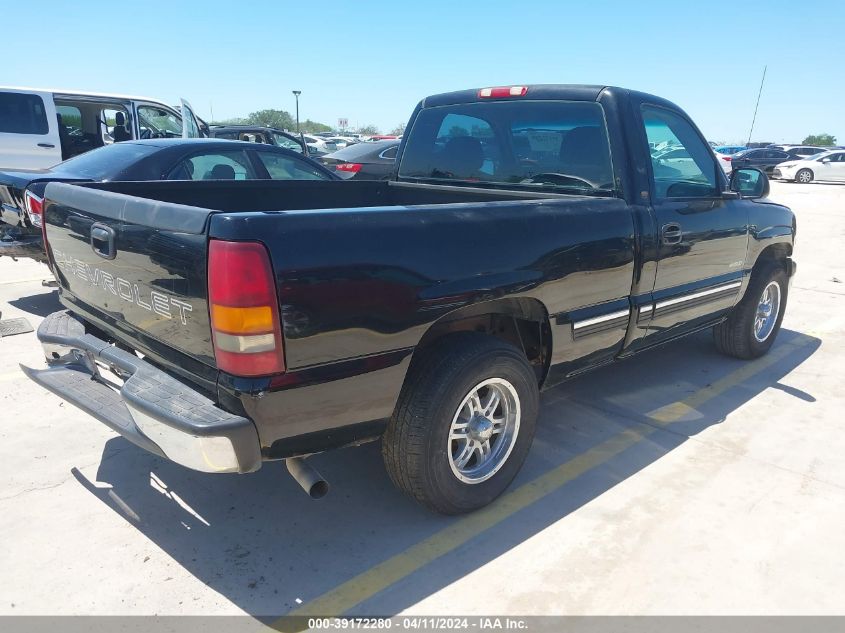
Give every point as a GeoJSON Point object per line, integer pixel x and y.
{"type": "Point", "coordinates": [39, 128]}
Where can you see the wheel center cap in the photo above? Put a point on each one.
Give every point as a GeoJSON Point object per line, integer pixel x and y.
{"type": "Point", "coordinates": [481, 429]}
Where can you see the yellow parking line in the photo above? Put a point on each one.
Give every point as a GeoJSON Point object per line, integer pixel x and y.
{"type": "Point", "coordinates": [368, 583]}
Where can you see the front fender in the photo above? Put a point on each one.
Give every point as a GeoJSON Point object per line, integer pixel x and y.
{"type": "Point", "coordinates": [770, 226]}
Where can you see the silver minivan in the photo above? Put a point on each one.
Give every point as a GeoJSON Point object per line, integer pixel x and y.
{"type": "Point", "coordinates": [39, 128]}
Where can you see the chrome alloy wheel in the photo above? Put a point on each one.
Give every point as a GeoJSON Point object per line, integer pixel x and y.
{"type": "Point", "coordinates": [483, 431]}
{"type": "Point", "coordinates": [768, 310]}
{"type": "Point", "coordinates": [804, 176]}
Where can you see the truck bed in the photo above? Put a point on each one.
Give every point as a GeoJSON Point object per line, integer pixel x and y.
{"type": "Point", "coordinates": [257, 195]}
{"type": "Point", "coordinates": [362, 267]}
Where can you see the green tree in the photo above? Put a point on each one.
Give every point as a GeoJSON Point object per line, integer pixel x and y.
{"type": "Point", "coordinates": [233, 121]}
{"type": "Point", "coordinates": [822, 140]}
{"type": "Point", "coordinates": [398, 130]}
{"type": "Point", "coordinates": [272, 118]}
{"type": "Point", "coordinates": [368, 129]}
{"type": "Point", "coordinates": [314, 127]}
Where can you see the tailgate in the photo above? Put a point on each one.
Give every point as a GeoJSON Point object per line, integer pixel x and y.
{"type": "Point", "coordinates": [137, 266]}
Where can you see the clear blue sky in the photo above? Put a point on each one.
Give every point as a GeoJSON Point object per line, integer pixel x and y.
{"type": "Point", "coordinates": [371, 61]}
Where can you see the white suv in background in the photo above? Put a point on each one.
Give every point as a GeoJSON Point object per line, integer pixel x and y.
{"type": "Point", "coordinates": [799, 152]}
{"type": "Point", "coordinates": [826, 166]}
{"type": "Point", "coordinates": [39, 128]}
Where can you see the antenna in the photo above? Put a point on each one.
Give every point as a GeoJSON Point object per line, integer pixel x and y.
{"type": "Point", "coordinates": [754, 120]}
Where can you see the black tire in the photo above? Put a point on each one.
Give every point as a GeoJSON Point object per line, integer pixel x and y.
{"type": "Point", "coordinates": [736, 335]}
{"type": "Point", "coordinates": [416, 444]}
{"type": "Point", "coordinates": [804, 176]}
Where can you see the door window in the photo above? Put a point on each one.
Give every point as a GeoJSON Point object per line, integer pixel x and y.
{"type": "Point", "coordinates": [190, 127]}
{"type": "Point", "coordinates": [690, 169]}
{"type": "Point", "coordinates": [288, 168]}
{"type": "Point", "coordinates": [214, 166]}
{"type": "Point", "coordinates": [158, 123]}
{"type": "Point", "coordinates": [115, 124]}
{"type": "Point", "coordinates": [71, 118]}
{"type": "Point", "coordinates": [287, 143]}
{"type": "Point", "coordinates": [22, 114]}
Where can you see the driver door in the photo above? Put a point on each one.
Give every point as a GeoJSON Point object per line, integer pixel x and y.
{"type": "Point", "coordinates": [191, 127]}
{"type": "Point", "coordinates": [702, 233]}
{"type": "Point", "coordinates": [831, 168]}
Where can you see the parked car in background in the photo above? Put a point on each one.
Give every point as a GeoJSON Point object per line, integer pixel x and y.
{"type": "Point", "coordinates": [825, 166]}
{"type": "Point", "coordinates": [40, 128]}
{"type": "Point", "coordinates": [364, 161]}
{"type": "Point", "coordinates": [729, 150]}
{"type": "Point", "coordinates": [341, 141]}
{"type": "Point", "coordinates": [800, 151]}
{"type": "Point", "coordinates": [22, 192]}
{"type": "Point", "coordinates": [764, 159]}
{"type": "Point", "coordinates": [725, 161]}
{"type": "Point", "coordinates": [259, 134]}
{"type": "Point", "coordinates": [318, 146]}
{"type": "Point", "coordinates": [679, 158]}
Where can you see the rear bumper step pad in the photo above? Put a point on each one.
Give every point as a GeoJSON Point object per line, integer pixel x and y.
{"type": "Point", "coordinates": [152, 409]}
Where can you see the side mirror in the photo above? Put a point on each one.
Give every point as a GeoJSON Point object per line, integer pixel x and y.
{"type": "Point", "coordinates": [750, 183]}
{"type": "Point", "coordinates": [825, 160]}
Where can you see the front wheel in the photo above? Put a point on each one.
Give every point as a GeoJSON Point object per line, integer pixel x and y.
{"type": "Point", "coordinates": [754, 323]}
{"type": "Point", "coordinates": [464, 423]}
{"type": "Point", "coordinates": [804, 176]}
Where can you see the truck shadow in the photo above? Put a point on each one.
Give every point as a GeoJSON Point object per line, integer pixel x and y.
{"type": "Point", "coordinates": [263, 544]}
{"type": "Point", "coordinates": [40, 304]}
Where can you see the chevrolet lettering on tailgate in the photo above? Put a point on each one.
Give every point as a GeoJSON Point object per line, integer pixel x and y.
{"type": "Point", "coordinates": [153, 300]}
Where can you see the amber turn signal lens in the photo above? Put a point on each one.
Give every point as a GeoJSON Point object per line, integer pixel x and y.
{"type": "Point", "coordinates": [256, 320]}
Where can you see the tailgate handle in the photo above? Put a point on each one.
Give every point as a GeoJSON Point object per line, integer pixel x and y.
{"type": "Point", "coordinates": [102, 241]}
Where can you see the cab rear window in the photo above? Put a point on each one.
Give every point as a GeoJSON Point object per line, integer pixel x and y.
{"type": "Point", "coordinates": [557, 144]}
{"type": "Point", "coordinates": [22, 114]}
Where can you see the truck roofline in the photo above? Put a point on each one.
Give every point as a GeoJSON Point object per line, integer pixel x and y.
{"type": "Point", "coordinates": [551, 92]}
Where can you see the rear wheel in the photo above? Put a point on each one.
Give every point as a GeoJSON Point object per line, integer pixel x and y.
{"type": "Point", "coordinates": [754, 323]}
{"type": "Point", "coordinates": [804, 176]}
{"type": "Point", "coordinates": [464, 423]}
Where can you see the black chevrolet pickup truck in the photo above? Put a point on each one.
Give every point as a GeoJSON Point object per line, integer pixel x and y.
{"type": "Point", "coordinates": [528, 235]}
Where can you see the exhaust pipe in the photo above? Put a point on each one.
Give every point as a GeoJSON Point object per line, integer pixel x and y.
{"type": "Point", "coordinates": [307, 477]}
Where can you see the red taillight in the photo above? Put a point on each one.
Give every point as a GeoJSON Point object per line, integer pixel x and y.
{"type": "Point", "coordinates": [727, 158]}
{"type": "Point", "coordinates": [34, 206]}
{"type": "Point", "coordinates": [503, 91]}
{"type": "Point", "coordinates": [352, 167]}
{"type": "Point", "coordinates": [244, 309]}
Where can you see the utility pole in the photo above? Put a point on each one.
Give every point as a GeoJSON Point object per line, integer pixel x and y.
{"type": "Point", "coordinates": [296, 94]}
{"type": "Point", "coordinates": [754, 120]}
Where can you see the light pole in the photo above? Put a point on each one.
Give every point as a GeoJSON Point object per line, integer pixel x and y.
{"type": "Point", "coordinates": [296, 94]}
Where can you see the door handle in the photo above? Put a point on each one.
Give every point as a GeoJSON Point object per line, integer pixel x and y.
{"type": "Point", "coordinates": [47, 145]}
{"type": "Point", "coordinates": [102, 241]}
{"type": "Point", "coordinates": [672, 233]}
